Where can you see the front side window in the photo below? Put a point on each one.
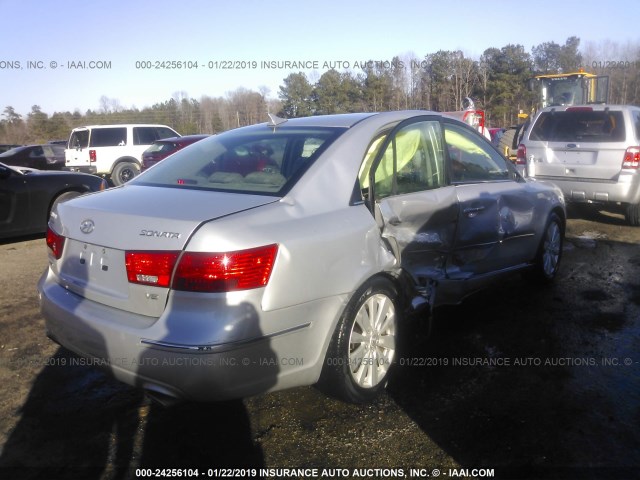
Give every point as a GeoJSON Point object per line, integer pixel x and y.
{"type": "Point", "coordinates": [148, 135]}
{"type": "Point", "coordinates": [258, 160]}
{"type": "Point", "coordinates": [413, 161]}
{"type": "Point", "coordinates": [36, 152]}
{"type": "Point", "coordinates": [472, 160]}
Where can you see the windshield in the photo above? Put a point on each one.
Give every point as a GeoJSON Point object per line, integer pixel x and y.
{"type": "Point", "coordinates": [249, 160]}
{"type": "Point", "coordinates": [161, 147]}
{"type": "Point", "coordinates": [13, 151]}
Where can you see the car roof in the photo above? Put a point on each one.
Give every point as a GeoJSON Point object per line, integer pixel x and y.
{"type": "Point", "coordinates": [347, 120]}
{"type": "Point", "coordinates": [122, 125]}
{"type": "Point", "coordinates": [593, 106]}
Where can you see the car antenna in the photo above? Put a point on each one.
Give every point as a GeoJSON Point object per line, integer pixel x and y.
{"type": "Point", "coordinates": [275, 121]}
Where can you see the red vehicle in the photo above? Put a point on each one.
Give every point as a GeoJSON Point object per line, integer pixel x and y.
{"type": "Point", "coordinates": [471, 116]}
{"type": "Point", "coordinates": [161, 149]}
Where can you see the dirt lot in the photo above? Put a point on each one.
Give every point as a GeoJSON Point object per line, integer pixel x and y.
{"type": "Point", "coordinates": [520, 381]}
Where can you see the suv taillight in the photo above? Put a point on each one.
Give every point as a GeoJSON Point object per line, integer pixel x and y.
{"type": "Point", "coordinates": [55, 243]}
{"type": "Point", "coordinates": [92, 156]}
{"type": "Point", "coordinates": [202, 271]}
{"type": "Point", "coordinates": [522, 155]}
{"type": "Point", "coordinates": [631, 158]}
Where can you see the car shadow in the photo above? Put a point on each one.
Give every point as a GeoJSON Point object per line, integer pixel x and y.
{"type": "Point", "coordinates": [595, 214]}
{"type": "Point", "coordinates": [78, 422]}
{"type": "Point", "coordinates": [511, 380]}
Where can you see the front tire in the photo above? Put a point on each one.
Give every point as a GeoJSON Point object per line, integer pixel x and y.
{"type": "Point", "coordinates": [123, 172]}
{"type": "Point", "coordinates": [363, 346]}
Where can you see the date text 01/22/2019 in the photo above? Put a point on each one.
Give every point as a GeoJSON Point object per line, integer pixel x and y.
{"type": "Point", "coordinates": [266, 64]}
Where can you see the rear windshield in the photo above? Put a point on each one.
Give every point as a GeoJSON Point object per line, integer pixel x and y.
{"type": "Point", "coordinates": [252, 160]}
{"type": "Point", "coordinates": [579, 126]}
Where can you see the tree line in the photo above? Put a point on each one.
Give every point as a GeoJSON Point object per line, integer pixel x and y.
{"type": "Point", "coordinates": [497, 81]}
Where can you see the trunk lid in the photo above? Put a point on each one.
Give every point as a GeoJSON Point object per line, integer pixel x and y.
{"type": "Point", "coordinates": [99, 229]}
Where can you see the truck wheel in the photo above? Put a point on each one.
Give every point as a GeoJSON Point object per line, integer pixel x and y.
{"type": "Point", "coordinates": [123, 172]}
{"type": "Point", "coordinates": [505, 144]}
{"type": "Point", "coordinates": [632, 214]}
{"type": "Point", "coordinates": [363, 346]}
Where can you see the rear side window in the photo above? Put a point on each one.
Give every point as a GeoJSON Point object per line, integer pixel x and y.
{"type": "Point", "coordinates": [108, 137]}
{"type": "Point", "coordinates": [636, 122]}
{"type": "Point", "coordinates": [579, 126]}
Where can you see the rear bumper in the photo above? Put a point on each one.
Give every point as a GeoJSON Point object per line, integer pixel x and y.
{"type": "Point", "coordinates": [83, 168]}
{"type": "Point", "coordinates": [151, 353]}
{"type": "Point", "coordinates": [626, 189]}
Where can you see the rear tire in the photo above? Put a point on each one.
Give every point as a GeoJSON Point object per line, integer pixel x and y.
{"type": "Point", "coordinates": [547, 261]}
{"type": "Point", "coordinates": [363, 346]}
{"type": "Point", "coordinates": [632, 214]}
{"type": "Point", "coordinates": [123, 172]}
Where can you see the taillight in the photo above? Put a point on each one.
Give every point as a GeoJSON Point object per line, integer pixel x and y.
{"type": "Point", "coordinates": [225, 272]}
{"type": "Point", "coordinates": [522, 155]}
{"type": "Point", "coordinates": [55, 243]}
{"type": "Point", "coordinates": [150, 268]}
{"type": "Point", "coordinates": [202, 271]}
{"type": "Point", "coordinates": [92, 156]}
{"type": "Point", "coordinates": [631, 158]}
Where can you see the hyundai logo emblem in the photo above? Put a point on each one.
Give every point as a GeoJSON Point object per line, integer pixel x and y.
{"type": "Point", "coordinates": [87, 226]}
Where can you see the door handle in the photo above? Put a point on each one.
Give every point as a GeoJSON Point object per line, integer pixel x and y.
{"type": "Point", "coordinates": [394, 221]}
{"type": "Point", "coordinates": [472, 211]}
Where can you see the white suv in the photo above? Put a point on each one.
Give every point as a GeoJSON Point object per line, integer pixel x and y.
{"type": "Point", "coordinates": [112, 150]}
{"type": "Point", "coordinates": [592, 152]}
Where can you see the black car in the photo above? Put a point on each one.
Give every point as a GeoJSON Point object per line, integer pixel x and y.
{"type": "Point", "coordinates": [42, 157]}
{"type": "Point", "coordinates": [27, 196]}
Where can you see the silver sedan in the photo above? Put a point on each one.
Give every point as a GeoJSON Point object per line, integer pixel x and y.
{"type": "Point", "coordinates": [290, 253]}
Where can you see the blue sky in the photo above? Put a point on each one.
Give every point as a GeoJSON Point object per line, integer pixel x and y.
{"type": "Point", "coordinates": [119, 33]}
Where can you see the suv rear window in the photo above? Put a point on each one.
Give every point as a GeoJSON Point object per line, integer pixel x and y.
{"type": "Point", "coordinates": [579, 126]}
{"type": "Point", "coordinates": [258, 160]}
{"type": "Point", "coordinates": [79, 139]}
{"type": "Point", "coordinates": [108, 137]}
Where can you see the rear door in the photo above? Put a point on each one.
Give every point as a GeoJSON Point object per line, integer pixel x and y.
{"type": "Point", "coordinates": [496, 213]}
{"type": "Point", "coordinates": [77, 153]}
{"type": "Point", "coordinates": [414, 206]}
{"type": "Point", "coordinates": [578, 143]}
